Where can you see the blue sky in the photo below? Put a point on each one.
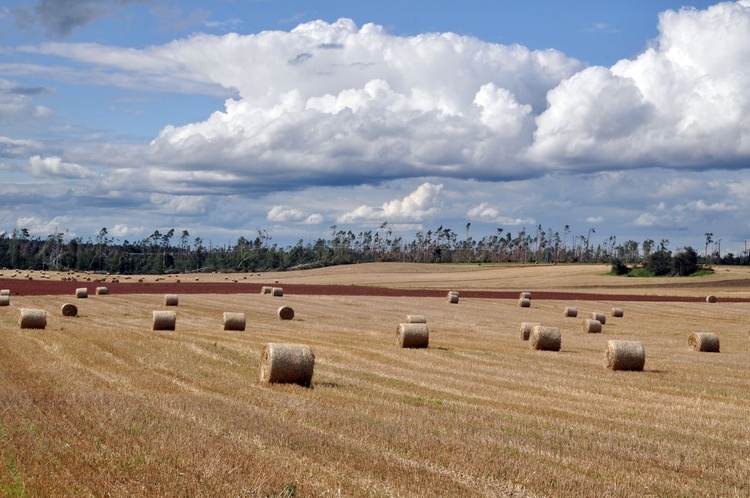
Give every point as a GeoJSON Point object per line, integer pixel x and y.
{"type": "Point", "coordinates": [225, 117]}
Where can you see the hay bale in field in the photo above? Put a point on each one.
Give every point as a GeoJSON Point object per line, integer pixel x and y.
{"type": "Point", "coordinates": [69, 309]}
{"type": "Point", "coordinates": [285, 313]}
{"type": "Point", "coordinates": [32, 319]}
{"type": "Point", "coordinates": [287, 364]}
{"type": "Point", "coordinates": [4, 300]}
{"type": "Point", "coordinates": [524, 295]}
{"type": "Point", "coordinates": [416, 319]}
{"type": "Point", "coordinates": [601, 317]}
{"type": "Point", "coordinates": [617, 312]}
{"type": "Point", "coordinates": [413, 335]}
{"type": "Point", "coordinates": [82, 293]}
{"type": "Point", "coordinates": [266, 289]}
{"type": "Point", "coordinates": [233, 321]}
{"type": "Point", "coordinates": [705, 342]}
{"type": "Point", "coordinates": [711, 299]}
{"type": "Point", "coordinates": [5, 292]}
{"type": "Point", "coordinates": [526, 329]}
{"type": "Point", "coordinates": [524, 303]}
{"type": "Point", "coordinates": [164, 320]}
{"type": "Point", "coordinates": [592, 326]}
{"type": "Point", "coordinates": [453, 297]}
{"type": "Point", "coordinates": [545, 338]}
{"type": "Point", "coordinates": [277, 292]}
{"type": "Point", "coordinates": [101, 291]}
{"type": "Point", "coordinates": [570, 312]}
{"type": "Point", "coordinates": [624, 355]}
{"type": "Point", "coordinates": [171, 300]}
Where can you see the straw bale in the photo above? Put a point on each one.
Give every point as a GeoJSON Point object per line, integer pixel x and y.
{"type": "Point", "coordinates": [82, 293]}
{"type": "Point", "coordinates": [266, 289]}
{"type": "Point", "coordinates": [570, 312]}
{"type": "Point", "coordinates": [711, 299]}
{"type": "Point", "coordinates": [171, 300]}
{"type": "Point", "coordinates": [287, 364]}
{"type": "Point", "coordinates": [277, 291]}
{"type": "Point", "coordinates": [233, 321]}
{"type": "Point", "coordinates": [100, 291]}
{"type": "Point", "coordinates": [416, 319]}
{"type": "Point", "coordinates": [413, 335]}
{"type": "Point", "coordinates": [617, 312]}
{"type": "Point", "coordinates": [624, 355]}
{"type": "Point", "coordinates": [5, 292]}
{"type": "Point", "coordinates": [705, 342]}
{"type": "Point", "coordinates": [601, 317]}
{"type": "Point", "coordinates": [453, 297]}
{"type": "Point", "coordinates": [32, 319]}
{"type": "Point", "coordinates": [524, 303]}
{"type": "Point", "coordinates": [526, 329]}
{"type": "Point", "coordinates": [69, 309]}
{"type": "Point", "coordinates": [524, 295]}
{"type": "Point", "coordinates": [285, 313]}
{"type": "Point", "coordinates": [592, 326]}
{"type": "Point", "coordinates": [4, 300]}
{"type": "Point", "coordinates": [545, 338]}
{"type": "Point", "coordinates": [164, 320]}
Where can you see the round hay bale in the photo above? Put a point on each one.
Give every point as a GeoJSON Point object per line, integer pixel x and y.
{"type": "Point", "coordinates": [416, 319]}
{"type": "Point", "coordinates": [233, 321]}
{"type": "Point", "coordinates": [277, 291]}
{"type": "Point", "coordinates": [164, 320]}
{"type": "Point", "coordinates": [32, 319]}
{"type": "Point", "coordinates": [101, 291]}
{"type": "Point", "coordinates": [69, 309]}
{"type": "Point", "coordinates": [570, 312]}
{"type": "Point", "coordinates": [453, 297]}
{"type": "Point", "coordinates": [171, 300]}
{"type": "Point", "coordinates": [285, 313]}
{"type": "Point", "coordinates": [5, 300]}
{"type": "Point", "coordinates": [711, 299]}
{"type": "Point", "coordinates": [526, 329]}
{"type": "Point", "coordinates": [82, 293]}
{"type": "Point", "coordinates": [265, 289]}
{"type": "Point", "coordinates": [592, 326]}
{"type": "Point", "coordinates": [601, 317]}
{"type": "Point", "coordinates": [624, 355]}
{"type": "Point", "coordinates": [524, 295]}
{"type": "Point", "coordinates": [5, 292]}
{"type": "Point", "coordinates": [545, 338]}
{"type": "Point", "coordinates": [524, 303]}
{"type": "Point", "coordinates": [617, 312]}
{"type": "Point", "coordinates": [413, 335]}
{"type": "Point", "coordinates": [287, 364]}
{"type": "Point", "coordinates": [705, 342]}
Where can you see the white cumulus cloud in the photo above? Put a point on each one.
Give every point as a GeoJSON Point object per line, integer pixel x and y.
{"type": "Point", "coordinates": [422, 202]}
{"type": "Point", "coordinates": [55, 167]}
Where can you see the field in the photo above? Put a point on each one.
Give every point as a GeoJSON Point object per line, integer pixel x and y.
{"type": "Point", "coordinates": [101, 405]}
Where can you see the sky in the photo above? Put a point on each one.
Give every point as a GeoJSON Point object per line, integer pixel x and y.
{"type": "Point", "coordinates": [223, 118]}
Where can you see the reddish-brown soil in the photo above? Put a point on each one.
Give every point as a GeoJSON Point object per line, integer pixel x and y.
{"type": "Point", "coordinates": [26, 287]}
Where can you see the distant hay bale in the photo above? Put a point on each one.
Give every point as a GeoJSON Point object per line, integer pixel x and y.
{"type": "Point", "coordinates": [233, 321]}
{"type": "Point", "coordinates": [705, 342]}
{"type": "Point", "coordinates": [164, 320]}
{"type": "Point", "coordinates": [570, 312]}
{"type": "Point", "coordinates": [100, 291]}
{"type": "Point", "coordinates": [69, 309]}
{"type": "Point", "coordinates": [413, 335]}
{"type": "Point", "coordinates": [5, 292]}
{"type": "Point", "coordinates": [277, 291]}
{"type": "Point", "coordinates": [617, 312]}
{"type": "Point", "coordinates": [82, 293]}
{"type": "Point", "coordinates": [711, 299]}
{"type": "Point", "coordinates": [592, 326]}
{"type": "Point", "coordinates": [171, 300]}
{"type": "Point", "coordinates": [4, 300]}
{"type": "Point", "coordinates": [287, 364]}
{"type": "Point", "coordinates": [285, 313]}
{"type": "Point", "coordinates": [416, 319]}
{"type": "Point", "coordinates": [624, 355]}
{"type": "Point", "coordinates": [266, 289]}
{"type": "Point", "coordinates": [32, 319]}
{"type": "Point", "coordinates": [453, 297]}
{"type": "Point", "coordinates": [601, 317]}
{"type": "Point", "coordinates": [524, 303]}
{"type": "Point", "coordinates": [526, 329]}
{"type": "Point", "coordinates": [545, 338]}
{"type": "Point", "coordinates": [524, 295]}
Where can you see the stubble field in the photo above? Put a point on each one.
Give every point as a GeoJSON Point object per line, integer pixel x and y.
{"type": "Point", "coordinates": [101, 405]}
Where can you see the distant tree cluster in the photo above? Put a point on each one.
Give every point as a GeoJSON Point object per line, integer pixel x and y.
{"type": "Point", "coordinates": [172, 252]}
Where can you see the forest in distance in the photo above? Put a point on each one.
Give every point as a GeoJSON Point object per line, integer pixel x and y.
{"type": "Point", "coordinates": [170, 252]}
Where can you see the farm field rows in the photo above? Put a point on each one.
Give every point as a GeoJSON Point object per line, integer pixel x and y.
{"type": "Point", "coordinates": [99, 404]}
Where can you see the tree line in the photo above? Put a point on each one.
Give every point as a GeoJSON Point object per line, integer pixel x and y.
{"type": "Point", "coordinates": [172, 252]}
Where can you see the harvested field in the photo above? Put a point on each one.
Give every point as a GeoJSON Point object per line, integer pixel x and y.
{"type": "Point", "coordinates": [101, 404]}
